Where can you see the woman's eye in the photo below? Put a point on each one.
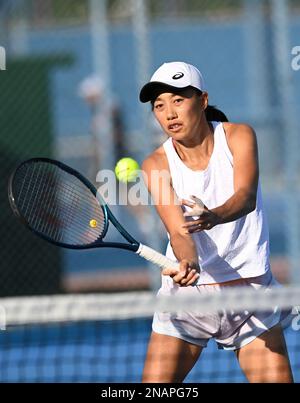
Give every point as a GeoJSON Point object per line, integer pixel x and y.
{"type": "Point", "coordinates": [178, 100]}
{"type": "Point", "coordinates": [158, 106]}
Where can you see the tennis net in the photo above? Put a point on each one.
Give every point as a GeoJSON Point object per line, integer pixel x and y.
{"type": "Point", "coordinates": [104, 337]}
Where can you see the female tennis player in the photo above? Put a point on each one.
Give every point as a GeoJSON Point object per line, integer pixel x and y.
{"type": "Point", "coordinates": [218, 233]}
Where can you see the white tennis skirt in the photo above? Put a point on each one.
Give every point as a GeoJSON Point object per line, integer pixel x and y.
{"type": "Point", "coordinates": [230, 329]}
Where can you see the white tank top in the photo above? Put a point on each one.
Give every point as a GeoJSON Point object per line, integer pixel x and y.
{"type": "Point", "coordinates": [238, 249]}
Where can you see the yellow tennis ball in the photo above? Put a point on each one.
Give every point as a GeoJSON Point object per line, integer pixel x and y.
{"type": "Point", "coordinates": [93, 223]}
{"type": "Point", "coordinates": [126, 170]}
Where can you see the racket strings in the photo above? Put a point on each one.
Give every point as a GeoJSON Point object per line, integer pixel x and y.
{"type": "Point", "coordinates": [70, 202]}
{"type": "Point", "coordinates": [38, 216]}
{"type": "Point", "coordinates": [44, 216]}
{"type": "Point", "coordinates": [61, 218]}
{"type": "Point", "coordinates": [71, 188]}
{"type": "Point", "coordinates": [57, 204]}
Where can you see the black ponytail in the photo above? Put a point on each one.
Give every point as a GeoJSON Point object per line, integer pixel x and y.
{"type": "Point", "coordinates": [214, 114]}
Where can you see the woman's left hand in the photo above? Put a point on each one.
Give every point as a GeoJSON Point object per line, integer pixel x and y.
{"type": "Point", "coordinates": [203, 218]}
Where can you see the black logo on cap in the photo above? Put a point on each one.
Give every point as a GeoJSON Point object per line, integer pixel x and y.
{"type": "Point", "coordinates": [178, 76]}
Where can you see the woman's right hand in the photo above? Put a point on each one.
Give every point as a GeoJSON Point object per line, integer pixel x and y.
{"type": "Point", "coordinates": [187, 274]}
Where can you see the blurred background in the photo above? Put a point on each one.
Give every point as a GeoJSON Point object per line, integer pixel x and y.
{"type": "Point", "coordinates": [70, 76]}
{"type": "Point", "coordinates": [70, 90]}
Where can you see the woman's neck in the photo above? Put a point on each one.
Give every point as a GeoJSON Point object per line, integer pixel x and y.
{"type": "Point", "coordinates": [201, 146]}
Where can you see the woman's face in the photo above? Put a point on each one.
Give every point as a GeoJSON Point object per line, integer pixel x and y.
{"type": "Point", "coordinates": [180, 115]}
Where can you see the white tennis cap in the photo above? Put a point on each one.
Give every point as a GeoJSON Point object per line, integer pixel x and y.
{"type": "Point", "coordinates": [174, 75]}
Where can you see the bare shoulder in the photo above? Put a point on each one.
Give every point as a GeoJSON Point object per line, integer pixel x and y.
{"type": "Point", "coordinates": [155, 169]}
{"type": "Point", "coordinates": [234, 130]}
{"type": "Point", "coordinates": [239, 135]}
{"type": "Point", "coordinates": [156, 160]}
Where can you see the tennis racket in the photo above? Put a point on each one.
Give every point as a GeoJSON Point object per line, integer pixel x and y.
{"type": "Point", "coordinates": [61, 206]}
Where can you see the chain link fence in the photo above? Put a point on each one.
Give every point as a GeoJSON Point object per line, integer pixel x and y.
{"type": "Point", "coordinates": [70, 91]}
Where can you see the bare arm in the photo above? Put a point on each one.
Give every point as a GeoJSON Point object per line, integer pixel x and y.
{"type": "Point", "coordinates": [243, 145]}
{"type": "Point", "coordinates": [157, 179]}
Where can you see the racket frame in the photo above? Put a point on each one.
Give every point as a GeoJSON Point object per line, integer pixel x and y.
{"type": "Point", "coordinates": [133, 244]}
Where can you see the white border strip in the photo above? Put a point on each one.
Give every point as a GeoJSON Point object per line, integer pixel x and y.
{"type": "Point", "coordinates": [82, 307]}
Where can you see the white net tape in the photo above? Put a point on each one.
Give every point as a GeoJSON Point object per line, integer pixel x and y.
{"type": "Point", "coordinates": [81, 307]}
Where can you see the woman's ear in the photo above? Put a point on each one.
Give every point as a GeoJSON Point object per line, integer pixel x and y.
{"type": "Point", "coordinates": [204, 100]}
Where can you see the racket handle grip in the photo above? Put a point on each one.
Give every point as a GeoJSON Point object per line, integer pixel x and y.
{"type": "Point", "coordinates": [157, 258]}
